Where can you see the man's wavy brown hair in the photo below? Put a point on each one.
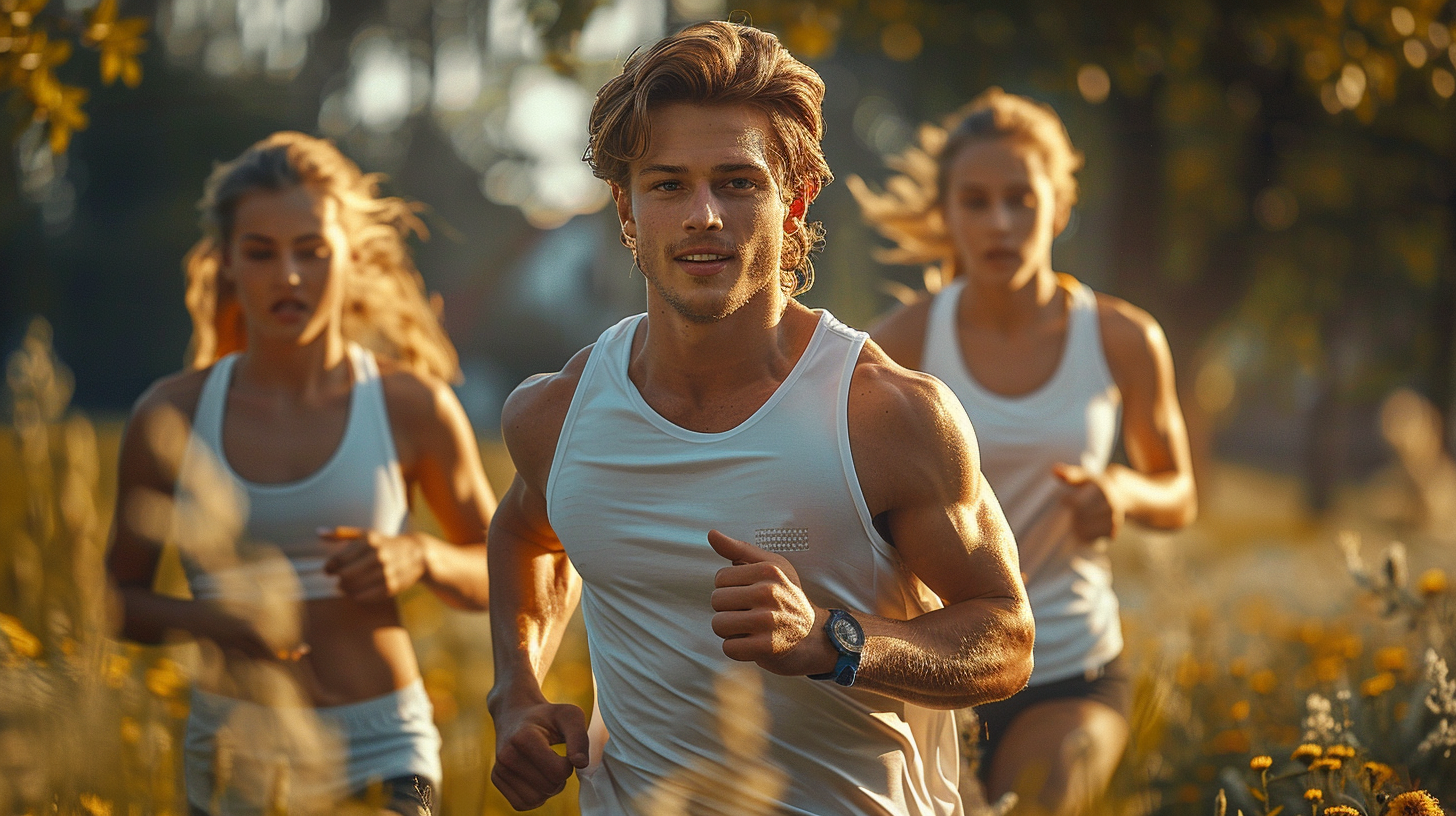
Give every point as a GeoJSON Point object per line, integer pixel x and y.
{"type": "Point", "coordinates": [911, 210]}
{"type": "Point", "coordinates": [717, 63]}
{"type": "Point", "coordinates": [385, 306]}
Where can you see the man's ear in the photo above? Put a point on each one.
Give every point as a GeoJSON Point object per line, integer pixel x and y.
{"type": "Point", "coordinates": [623, 200]}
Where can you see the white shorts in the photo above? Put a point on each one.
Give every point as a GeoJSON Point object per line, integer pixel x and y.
{"type": "Point", "coordinates": [302, 758]}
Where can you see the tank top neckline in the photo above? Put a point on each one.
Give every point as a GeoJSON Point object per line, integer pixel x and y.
{"type": "Point", "coordinates": [1076, 313]}
{"type": "Point", "coordinates": [224, 374]}
{"type": "Point", "coordinates": [623, 359]}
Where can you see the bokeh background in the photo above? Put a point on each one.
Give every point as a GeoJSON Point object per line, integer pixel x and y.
{"type": "Point", "coordinates": [1275, 180]}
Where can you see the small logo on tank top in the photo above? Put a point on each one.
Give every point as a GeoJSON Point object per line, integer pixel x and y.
{"type": "Point", "coordinates": [782, 539]}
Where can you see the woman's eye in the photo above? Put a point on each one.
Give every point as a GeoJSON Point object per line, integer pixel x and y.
{"type": "Point", "coordinates": [258, 254]}
{"type": "Point", "coordinates": [1028, 201]}
{"type": "Point", "coordinates": [319, 252]}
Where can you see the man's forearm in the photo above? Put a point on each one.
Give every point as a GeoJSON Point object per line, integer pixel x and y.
{"type": "Point", "coordinates": [533, 594]}
{"type": "Point", "coordinates": [973, 652]}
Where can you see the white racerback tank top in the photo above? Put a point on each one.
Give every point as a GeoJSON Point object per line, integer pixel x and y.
{"type": "Point", "coordinates": [361, 485]}
{"type": "Point", "coordinates": [1071, 418]}
{"type": "Point", "coordinates": [632, 497]}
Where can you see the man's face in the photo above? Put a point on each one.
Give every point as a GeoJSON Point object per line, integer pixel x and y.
{"type": "Point", "coordinates": [705, 209]}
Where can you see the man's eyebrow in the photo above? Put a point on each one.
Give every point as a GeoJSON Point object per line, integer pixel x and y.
{"type": "Point", "coordinates": [740, 167]}
{"type": "Point", "coordinates": [677, 169]}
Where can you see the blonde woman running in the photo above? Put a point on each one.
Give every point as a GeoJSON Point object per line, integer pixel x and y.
{"type": "Point", "coordinates": [1043, 366]}
{"type": "Point", "coordinates": [315, 400]}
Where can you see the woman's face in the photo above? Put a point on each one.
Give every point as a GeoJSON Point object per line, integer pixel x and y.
{"type": "Point", "coordinates": [1000, 211]}
{"type": "Point", "coordinates": [287, 258]}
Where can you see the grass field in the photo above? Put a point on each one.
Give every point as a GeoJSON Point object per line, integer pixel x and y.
{"type": "Point", "coordinates": [1249, 634]}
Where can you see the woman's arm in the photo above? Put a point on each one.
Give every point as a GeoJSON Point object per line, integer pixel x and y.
{"type": "Point", "coordinates": [1157, 490]}
{"type": "Point", "coordinates": [147, 513]}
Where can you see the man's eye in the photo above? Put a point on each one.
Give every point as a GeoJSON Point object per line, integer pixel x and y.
{"type": "Point", "coordinates": [742, 184]}
{"type": "Point", "coordinates": [667, 185]}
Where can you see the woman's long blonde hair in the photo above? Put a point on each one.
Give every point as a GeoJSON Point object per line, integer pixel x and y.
{"type": "Point", "coordinates": [385, 306]}
{"type": "Point", "coordinates": [911, 210]}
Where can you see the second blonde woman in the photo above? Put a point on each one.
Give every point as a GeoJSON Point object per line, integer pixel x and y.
{"type": "Point", "coordinates": [1044, 367]}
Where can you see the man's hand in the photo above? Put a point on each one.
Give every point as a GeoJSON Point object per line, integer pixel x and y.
{"type": "Point", "coordinates": [1097, 508]}
{"type": "Point", "coordinates": [763, 615]}
{"type": "Point", "coordinates": [526, 769]}
{"type": "Point", "coordinates": [372, 567]}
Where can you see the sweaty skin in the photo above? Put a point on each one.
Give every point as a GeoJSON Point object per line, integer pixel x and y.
{"type": "Point", "coordinates": [287, 409]}
{"type": "Point", "coordinates": [1012, 321]}
{"type": "Point", "coordinates": [705, 210]}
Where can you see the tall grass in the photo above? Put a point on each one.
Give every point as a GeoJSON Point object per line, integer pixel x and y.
{"type": "Point", "coordinates": [1249, 636]}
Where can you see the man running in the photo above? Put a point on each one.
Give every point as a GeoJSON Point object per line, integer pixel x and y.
{"type": "Point", "coordinates": [735, 477]}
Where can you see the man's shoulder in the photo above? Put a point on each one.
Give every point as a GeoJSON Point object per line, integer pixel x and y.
{"type": "Point", "coordinates": [533, 414]}
{"type": "Point", "coordinates": [901, 408]}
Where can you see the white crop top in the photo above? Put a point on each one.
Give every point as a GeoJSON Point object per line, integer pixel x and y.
{"type": "Point", "coordinates": [361, 485]}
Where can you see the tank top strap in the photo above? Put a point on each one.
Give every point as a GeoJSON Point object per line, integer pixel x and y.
{"type": "Point", "coordinates": [212, 402]}
{"type": "Point", "coordinates": [942, 343]}
{"type": "Point", "coordinates": [368, 410]}
{"type": "Point", "coordinates": [1085, 344]}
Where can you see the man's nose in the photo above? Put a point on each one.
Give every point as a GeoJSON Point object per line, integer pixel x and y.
{"type": "Point", "coordinates": [703, 211]}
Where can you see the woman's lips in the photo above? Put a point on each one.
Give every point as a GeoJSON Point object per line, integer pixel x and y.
{"type": "Point", "coordinates": [290, 310]}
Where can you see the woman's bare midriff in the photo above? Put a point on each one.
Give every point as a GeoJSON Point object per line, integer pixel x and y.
{"type": "Point", "coordinates": [355, 652]}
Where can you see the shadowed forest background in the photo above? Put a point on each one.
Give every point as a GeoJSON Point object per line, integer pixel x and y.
{"type": "Point", "coordinates": [1274, 180]}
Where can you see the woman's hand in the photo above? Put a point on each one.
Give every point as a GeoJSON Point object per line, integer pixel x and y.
{"type": "Point", "coordinates": [1098, 509]}
{"type": "Point", "coordinates": [372, 567]}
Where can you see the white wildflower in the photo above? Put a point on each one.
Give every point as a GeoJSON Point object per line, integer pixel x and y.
{"type": "Point", "coordinates": [1441, 700]}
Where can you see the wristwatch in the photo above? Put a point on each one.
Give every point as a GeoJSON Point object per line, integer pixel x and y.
{"type": "Point", "coordinates": [848, 638]}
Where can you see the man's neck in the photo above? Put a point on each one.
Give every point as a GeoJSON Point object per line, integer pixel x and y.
{"type": "Point", "coordinates": [715, 373]}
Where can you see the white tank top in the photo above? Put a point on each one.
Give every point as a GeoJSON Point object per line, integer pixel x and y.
{"type": "Point", "coordinates": [361, 485]}
{"type": "Point", "coordinates": [1071, 418]}
{"type": "Point", "coordinates": [632, 497]}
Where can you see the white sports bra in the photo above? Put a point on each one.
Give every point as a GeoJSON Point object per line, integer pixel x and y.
{"type": "Point", "coordinates": [231, 549]}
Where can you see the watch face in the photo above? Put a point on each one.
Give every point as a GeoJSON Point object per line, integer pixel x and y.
{"type": "Point", "coordinates": [848, 632]}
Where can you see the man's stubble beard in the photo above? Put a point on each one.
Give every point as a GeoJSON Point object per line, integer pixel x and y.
{"type": "Point", "coordinates": [685, 308]}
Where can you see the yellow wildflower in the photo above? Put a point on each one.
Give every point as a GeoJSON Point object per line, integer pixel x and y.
{"type": "Point", "coordinates": [1307, 753]}
{"type": "Point", "coordinates": [1341, 751]}
{"type": "Point", "coordinates": [1261, 763]}
{"type": "Point", "coordinates": [22, 642]}
{"type": "Point", "coordinates": [1377, 774]}
{"type": "Point", "coordinates": [1378, 685]}
{"type": "Point", "coordinates": [1341, 810]}
{"type": "Point", "coordinates": [94, 805]}
{"type": "Point", "coordinates": [115, 669]}
{"type": "Point", "coordinates": [165, 678]}
{"type": "Point", "coordinates": [1232, 741]}
{"type": "Point", "coordinates": [1239, 711]}
{"type": "Point", "coordinates": [1392, 659]}
{"type": "Point", "coordinates": [1314, 795]}
{"type": "Point", "coordinates": [131, 731]}
{"type": "Point", "coordinates": [1433, 581]}
{"type": "Point", "coordinates": [1414, 803]}
{"type": "Point", "coordinates": [1264, 681]}
{"type": "Point", "coordinates": [1326, 764]}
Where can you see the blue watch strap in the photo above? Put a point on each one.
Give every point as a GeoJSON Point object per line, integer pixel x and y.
{"type": "Point", "coordinates": [846, 667]}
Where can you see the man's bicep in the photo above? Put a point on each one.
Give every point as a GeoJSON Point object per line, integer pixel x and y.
{"type": "Point", "coordinates": [961, 551]}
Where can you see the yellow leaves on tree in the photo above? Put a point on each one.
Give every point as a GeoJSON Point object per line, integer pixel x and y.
{"type": "Point", "coordinates": [120, 41]}
{"type": "Point", "coordinates": [29, 58]}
